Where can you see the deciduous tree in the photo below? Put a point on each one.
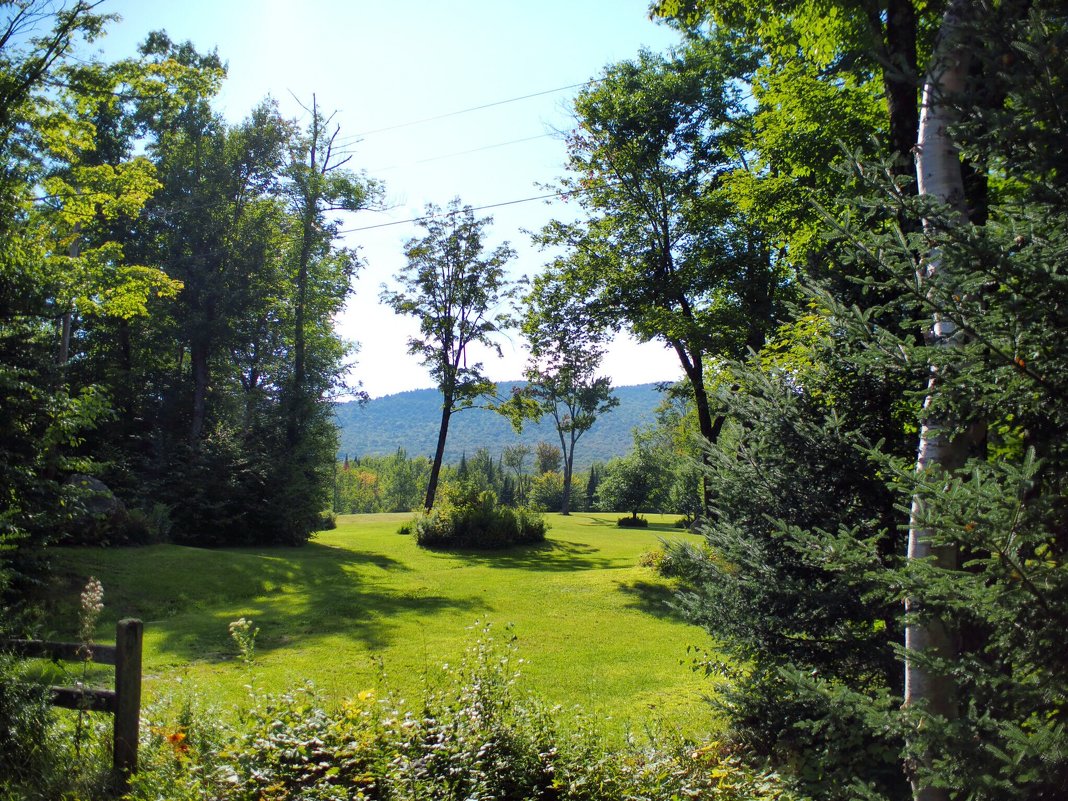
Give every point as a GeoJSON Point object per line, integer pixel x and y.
{"type": "Point", "coordinates": [632, 483]}
{"type": "Point", "coordinates": [661, 250]}
{"type": "Point", "coordinates": [455, 289]}
{"type": "Point", "coordinates": [566, 345]}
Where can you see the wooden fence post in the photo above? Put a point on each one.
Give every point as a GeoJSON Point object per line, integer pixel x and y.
{"type": "Point", "coordinates": [128, 638]}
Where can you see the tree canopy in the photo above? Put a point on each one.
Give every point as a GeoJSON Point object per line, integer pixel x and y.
{"type": "Point", "coordinates": [160, 329]}
{"type": "Point", "coordinates": [660, 250]}
{"type": "Point", "coordinates": [456, 292]}
{"type": "Point", "coordinates": [566, 345]}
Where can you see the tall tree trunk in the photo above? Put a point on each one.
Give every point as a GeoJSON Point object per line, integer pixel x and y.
{"type": "Point", "coordinates": [569, 462]}
{"type": "Point", "coordinates": [938, 173]}
{"type": "Point", "coordinates": [67, 321]}
{"type": "Point", "coordinates": [66, 324]}
{"type": "Point", "coordinates": [124, 388]}
{"type": "Point", "coordinates": [439, 451]}
{"type": "Point", "coordinates": [693, 366]}
{"type": "Point", "coordinates": [900, 83]}
{"type": "Point", "coordinates": [198, 363]}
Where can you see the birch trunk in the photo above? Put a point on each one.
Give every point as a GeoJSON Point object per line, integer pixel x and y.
{"type": "Point", "coordinates": [938, 173]}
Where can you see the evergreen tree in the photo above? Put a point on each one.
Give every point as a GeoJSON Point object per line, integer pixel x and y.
{"type": "Point", "coordinates": [953, 330]}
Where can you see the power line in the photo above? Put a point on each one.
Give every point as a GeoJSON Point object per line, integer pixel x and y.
{"type": "Point", "coordinates": [376, 170]}
{"type": "Point", "coordinates": [484, 147]}
{"type": "Point", "coordinates": [564, 193]}
{"type": "Point", "coordinates": [466, 110]}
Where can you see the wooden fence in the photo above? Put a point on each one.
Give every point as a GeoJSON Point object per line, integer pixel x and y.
{"type": "Point", "coordinates": [124, 702]}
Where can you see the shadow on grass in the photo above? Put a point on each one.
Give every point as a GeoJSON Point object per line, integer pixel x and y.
{"type": "Point", "coordinates": [652, 598]}
{"type": "Point", "coordinates": [600, 522]}
{"type": "Point", "coordinates": [551, 556]}
{"type": "Point", "coordinates": [187, 596]}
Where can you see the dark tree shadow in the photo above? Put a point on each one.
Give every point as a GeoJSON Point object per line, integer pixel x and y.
{"type": "Point", "coordinates": [341, 591]}
{"type": "Point", "coordinates": [653, 599]}
{"type": "Point", "coordinates": [550, 556]}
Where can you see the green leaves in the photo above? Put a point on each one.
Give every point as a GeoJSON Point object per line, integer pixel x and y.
{"type": "Point", "coordinates": [456, 292]}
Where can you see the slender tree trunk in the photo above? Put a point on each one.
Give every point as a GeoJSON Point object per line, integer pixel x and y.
{"type": "Point", "coordinates": [67, 322]}
{"type": "Point", "coordinates": [569, 462]}
{"type": "Point", "coordinates": [694, 369]}
{"type": "Point", "coordinates": [198, 363]}
{"type": "Point", "coordinates": [900, 82]}
{"type": "Point", "coordinates": [439, 451]}
{"type": "Point", "coordinates": [124, 389]}
{"type": "Point", "coordinates": [938, 173]}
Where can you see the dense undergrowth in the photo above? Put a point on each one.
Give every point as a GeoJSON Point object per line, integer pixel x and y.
{"type": "Point", "coordinates": [474, 737]}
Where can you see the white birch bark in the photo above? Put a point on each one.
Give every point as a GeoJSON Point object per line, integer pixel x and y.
{"type": "Point", "coordinates": [938, 172]}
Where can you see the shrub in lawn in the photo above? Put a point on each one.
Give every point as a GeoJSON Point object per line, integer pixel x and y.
{"type": "Point", "coordinates": [465, 517]}
{"type": "Point", "coordinates": [632, 522]}
{"type": "Point", "coordinates": [652, 558]}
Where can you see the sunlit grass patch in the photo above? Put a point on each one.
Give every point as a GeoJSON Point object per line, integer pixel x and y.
{"type": "Point", "coordinates": [362, 606]}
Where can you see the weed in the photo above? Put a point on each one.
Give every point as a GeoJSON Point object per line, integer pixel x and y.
{"type": "Point", "coordinates": [244, 632]}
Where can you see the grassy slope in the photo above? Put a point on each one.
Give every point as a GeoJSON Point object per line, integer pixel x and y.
{"type": "Point", "coordinates": [592, 625]}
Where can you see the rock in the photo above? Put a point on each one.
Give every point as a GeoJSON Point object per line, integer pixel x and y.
{"type": "Point", "coordinates": [96, 497]}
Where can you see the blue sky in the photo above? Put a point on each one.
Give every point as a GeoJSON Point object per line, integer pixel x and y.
{"type": "Point", "coordinates": [385, 65]}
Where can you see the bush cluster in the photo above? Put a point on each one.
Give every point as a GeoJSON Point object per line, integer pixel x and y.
{"type": "Point", "coordinates": [465, 517]}
{"type": "Point", "coordinates": [478, 739]}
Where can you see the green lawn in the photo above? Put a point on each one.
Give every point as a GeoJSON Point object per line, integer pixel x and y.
{"type": "Point", "coordinates": [593, 626]}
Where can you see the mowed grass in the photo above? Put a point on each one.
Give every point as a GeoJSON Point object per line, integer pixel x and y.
{"type": "Point", "coordinates": [362, 607]}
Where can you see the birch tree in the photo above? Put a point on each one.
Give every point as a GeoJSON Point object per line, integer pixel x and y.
{"type": "Point", "coordinates": [566, 345]}
{"type": "Point", "coordinates": [951, 324]}
{"type": "Point", "coordinates": [929, 645]}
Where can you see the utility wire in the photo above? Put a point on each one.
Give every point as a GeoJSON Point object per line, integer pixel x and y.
{"type": "Point", "coordinates": [466, 110]}
{"type": "Point", "coordinates": [376, 170]}
{"type": "Point", "coordinates": [484, 147]}
{"type": "Point", "coordinates": [565, 193]}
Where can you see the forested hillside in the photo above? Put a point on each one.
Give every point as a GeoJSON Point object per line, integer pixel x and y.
{"type": "Point", "coordinates": [409, 420]}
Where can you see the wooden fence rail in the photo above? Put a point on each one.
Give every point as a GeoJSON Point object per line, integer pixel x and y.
{"type": "Point", "coordinates": [124, 702]}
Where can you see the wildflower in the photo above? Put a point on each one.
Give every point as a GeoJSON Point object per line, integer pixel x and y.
{"type": "Point", "coordinates": [92, 604]}
{"type": "Point", "coordinates": [244, 634]}
{"type": "Point", "coordinates": [176, 739]}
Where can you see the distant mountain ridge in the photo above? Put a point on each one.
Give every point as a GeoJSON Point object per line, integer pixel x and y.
{"type": "Point", "coordinates": [410, 420]}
